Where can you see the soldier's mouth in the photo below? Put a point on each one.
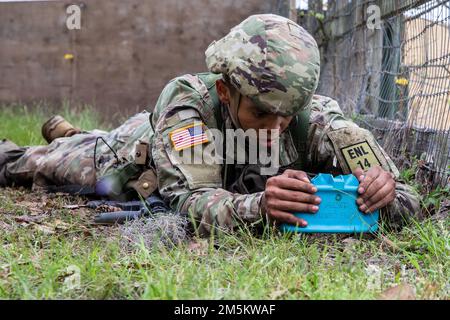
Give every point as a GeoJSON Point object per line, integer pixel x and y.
{"type": "Point", "coordinates": [266, 142]}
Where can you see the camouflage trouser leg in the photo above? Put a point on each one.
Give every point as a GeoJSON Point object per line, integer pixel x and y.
{"type": "Point", "coordinates": [21, 171]}
{"type": "Point", "coordinates": [8, 152]}
{"type": "Point", "coordinates": [54, 164]}
{"type": "Point", "coordinates": [70, 161]}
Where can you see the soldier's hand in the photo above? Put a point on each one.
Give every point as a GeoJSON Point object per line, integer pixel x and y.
{"type": "Point", "coordinates": [291, 191]}
{"type": "Point", "coordinates": [376, 188]}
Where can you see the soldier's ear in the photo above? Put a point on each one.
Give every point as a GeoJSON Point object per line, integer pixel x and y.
{"type": "Point", "coordinates": [223, 92]}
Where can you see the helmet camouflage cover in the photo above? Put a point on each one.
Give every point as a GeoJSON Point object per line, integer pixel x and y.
{"type": "Point", "coordinates": [271, 60]}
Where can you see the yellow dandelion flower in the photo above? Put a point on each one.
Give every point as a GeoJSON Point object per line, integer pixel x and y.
{"type": "Point", "coordinates": [401, 81]}
{"type": "Point", "coordinates": [68, 56]}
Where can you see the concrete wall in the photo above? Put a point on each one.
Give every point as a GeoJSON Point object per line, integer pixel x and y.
{"type": "Point", "coordinates": [124, 53]}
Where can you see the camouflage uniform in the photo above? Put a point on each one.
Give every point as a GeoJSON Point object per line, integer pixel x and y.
{"type": "Point", "coordinates": [275, 63]}
{"type": "Point", "coordinates": [70, 160]}
{"type": "Point", "coordinates": [271, 73]}
{"type": "Point", "coordinates": [199, 188]}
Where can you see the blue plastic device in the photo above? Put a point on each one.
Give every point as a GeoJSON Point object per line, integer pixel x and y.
{"type": "Point", "coordinates": [338, 211]}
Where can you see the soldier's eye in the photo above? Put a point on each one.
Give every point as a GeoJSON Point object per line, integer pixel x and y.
{"type": "Point", "coordinates": [260, 114]}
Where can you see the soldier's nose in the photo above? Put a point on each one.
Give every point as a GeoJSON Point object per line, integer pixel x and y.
{"type": "Point", "coordinates": [273, 134]}
{"type": "Point", "coordinates": [274, 123]}
{"type": "Point", "coordinates": [278, 124]}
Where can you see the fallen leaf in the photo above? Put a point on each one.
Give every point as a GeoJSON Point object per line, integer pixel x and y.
{"type": "Point", "coordinates": [5, 271]}
{"type": "Point", "coordinates": [29, 219]}
{"type": "Point", "coordinates": [72, 206]}
{"type": "Point", "coordinates": [389, 244]}
{"type": "Point", "coordinates": [5, 227]}
{"type": "Point", "coordinates": [59, 225]}
{"type": "Point", "coordinates": [350, 241]}
{"type": "Point", "coordinates": [403, 291]}
{"type": "Point", "coordinates": [277, 294]}
{"type": "Point", "coordinates": [71, 277]}
{"type": "Point", "coordinates": [199, 247]}
{"type": "Point", "coordinates": [44, 228]}
{"type": "Point", "coordinates": [34, 208]}
{"type": "Point", "coordinates": [430, 291]}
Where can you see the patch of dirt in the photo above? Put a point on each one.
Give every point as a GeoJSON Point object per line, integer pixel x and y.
{"type": "Point", "coordinates": [42, 212]}
{"type": "Point", "coordinates": [403, 291]}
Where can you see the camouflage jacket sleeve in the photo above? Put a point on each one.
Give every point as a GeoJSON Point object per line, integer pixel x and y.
{"type": "Point", "coordinates": [339, 146]}
{"type": "Point", "coordinates": [195, 188]}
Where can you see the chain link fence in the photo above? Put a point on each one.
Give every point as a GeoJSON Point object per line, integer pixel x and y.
{"type": "Point", "coordinates": [388, 65]}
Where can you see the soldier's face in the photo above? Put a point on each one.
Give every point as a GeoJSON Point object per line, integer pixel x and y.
{"type": "Point", "coordinates": [251, 117]}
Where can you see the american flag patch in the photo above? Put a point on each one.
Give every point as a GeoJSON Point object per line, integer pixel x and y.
{"type": "Point", "coordinates": [188, 136]}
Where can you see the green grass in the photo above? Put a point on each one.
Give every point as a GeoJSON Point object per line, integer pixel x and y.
{"type": "Point", "coordinates": [22, 124]}
{"type": "Point", "coordinates": [35, 256]}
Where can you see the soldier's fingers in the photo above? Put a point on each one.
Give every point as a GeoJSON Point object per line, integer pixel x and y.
{"type": "Point", "coordinates": [284, 182]}
{"type": "Point", "coordinates": [384, 192]}
{"type": "Point", "coordinates": [373, 188]}
{"type": "Point", "coordinates": [292, 206]}
{"type": "Point", "coordinates": [369, 178]}
{"type": "Point", "coordinates": [359, 174]}
{"type": "Point", "coordinates": [382, 203]}
{"type": "Point", "coordinates": [291, 195]}
{"type": "Point", "coordinates": [297, 174]}
{"type": "Point", "coordinates": [382, 180]}
{"type": "Point", "coordinates": [279, 216]}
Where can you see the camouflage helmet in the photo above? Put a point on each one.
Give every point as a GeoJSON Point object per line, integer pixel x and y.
{"type": "Point", "coordinates": [271, 60]}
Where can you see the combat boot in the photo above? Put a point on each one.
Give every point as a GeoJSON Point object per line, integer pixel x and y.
{"type": "Point", "coordinates": [57, 127]}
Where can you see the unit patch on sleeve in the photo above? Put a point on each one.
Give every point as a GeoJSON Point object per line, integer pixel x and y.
{"type": "Point", "coordinates": [188, 136]}
{"type": "Point", "coordinates": [360, 155]}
